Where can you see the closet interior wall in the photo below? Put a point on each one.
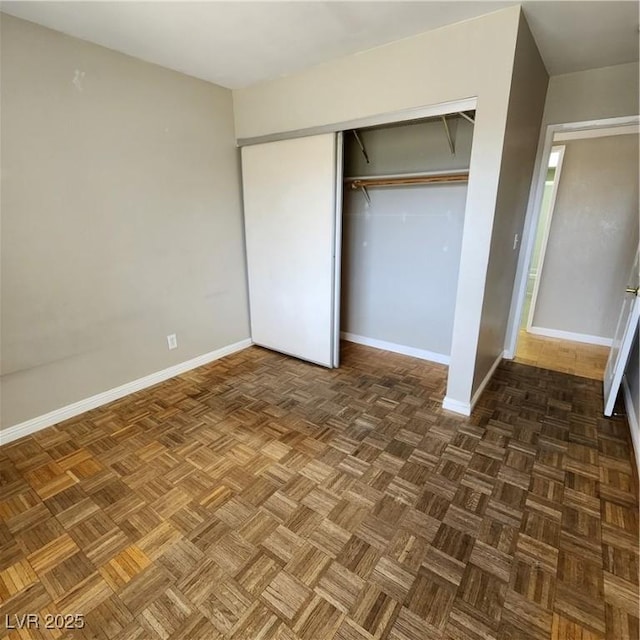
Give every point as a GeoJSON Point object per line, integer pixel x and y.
{"type": "Point", "coordinates": [401, 244]}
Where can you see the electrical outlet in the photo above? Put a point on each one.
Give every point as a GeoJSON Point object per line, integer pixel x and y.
{"type": "Point", "coordinates": [172, 341]}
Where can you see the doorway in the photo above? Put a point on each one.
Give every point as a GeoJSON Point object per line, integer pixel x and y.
{"type": "Point", "coordinates": [580, 249]}
{"type": "Point", "coordinates": [552, 179]}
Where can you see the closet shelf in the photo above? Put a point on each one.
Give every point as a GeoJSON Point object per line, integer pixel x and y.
{"type": "Point", "coordinates": [408, 179]}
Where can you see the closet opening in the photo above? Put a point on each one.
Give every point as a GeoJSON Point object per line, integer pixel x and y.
{"type": "Point", "coordinates": [403, 205]}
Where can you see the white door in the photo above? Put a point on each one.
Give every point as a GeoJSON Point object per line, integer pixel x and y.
{"type": "Point", "coordinates": [622, 340]}
{"type": "Point", "coordinates": [291, 232]}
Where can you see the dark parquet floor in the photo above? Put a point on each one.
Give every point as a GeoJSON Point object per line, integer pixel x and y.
{"type": "Point", "coordinates": [263, 498]}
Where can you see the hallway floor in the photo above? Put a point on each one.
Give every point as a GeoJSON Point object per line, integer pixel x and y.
{"type": "Point", "coordinates": [576, 358]}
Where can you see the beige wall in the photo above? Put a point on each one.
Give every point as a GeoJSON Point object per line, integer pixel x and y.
{"type": "Point", "coordinates": [472, 58]}
{"type": "Point", "coordinates": [121, 220]}
{"type": "Point", "coordinates": [526, 104]}
{"type": "Point", "coordinates": [609, 92]}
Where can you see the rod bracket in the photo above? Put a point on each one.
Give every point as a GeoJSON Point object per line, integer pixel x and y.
{"type": "Point", "coordinates": [362, 147]}
{"type": "Point", "coordinates": [449, 140]}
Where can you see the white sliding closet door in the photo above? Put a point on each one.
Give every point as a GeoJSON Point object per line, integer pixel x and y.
{"type": "Point", "coordinates": [291, 233]}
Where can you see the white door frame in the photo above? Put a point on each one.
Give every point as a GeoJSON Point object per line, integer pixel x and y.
{"type": "Point", "coordinates": [622, 340]}
{"type": "Point", "coordinates": [545, 231]}
{"type": "Point", "coordinates": [337, 250]}
{"type": "Point", "coordinates": [533, 210]}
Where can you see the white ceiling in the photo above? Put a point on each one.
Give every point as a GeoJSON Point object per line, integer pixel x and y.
{"type": "Point", "coordinates": [236, 44]}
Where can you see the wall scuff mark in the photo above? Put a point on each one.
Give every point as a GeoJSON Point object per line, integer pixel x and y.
{"type": "Point", "coordinates": [78, 79]}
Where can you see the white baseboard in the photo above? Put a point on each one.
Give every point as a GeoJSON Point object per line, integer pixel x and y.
{"type": "Point", "coordinates": [70, 411]}
{"type": "Point", "coordinates": [634, 425]}
{"type": "Point", "coordinates": [465, 408]}
{"type": "Point", "coordinates": [487, 379]}
{"type": "Point", "coordinates": [456, 406]}
{"type": "Point", "coordinates": [422, 354]}
{"type": "Point", "coordinates": [568, 335]}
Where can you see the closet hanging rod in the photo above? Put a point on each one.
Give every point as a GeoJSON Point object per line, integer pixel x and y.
{"type": "Point", "coordinates": [406, 174]}
{"type": "Point", "coordinates": [359, 183]}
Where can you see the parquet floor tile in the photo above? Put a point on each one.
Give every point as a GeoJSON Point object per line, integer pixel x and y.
{"type": "Point", "coordinates": [264, 498]}
{"type": "Point", "coordinates": [576, 358]}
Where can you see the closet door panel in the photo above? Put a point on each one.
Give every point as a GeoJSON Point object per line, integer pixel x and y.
{"type": "Point", "coordinates": [290, 225]}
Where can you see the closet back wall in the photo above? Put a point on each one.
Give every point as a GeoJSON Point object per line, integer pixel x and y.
{"type": "Point", "coordinates": [401, 252]}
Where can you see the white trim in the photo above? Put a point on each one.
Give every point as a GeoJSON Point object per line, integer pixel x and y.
{"type": "Point", "coordinates": [536, 194]}
{"type": "Point", "coordinates": [422, 354]}
{"type": "Point", "coordinates": [465, 408]}
{"type": "Point", "coordinates": [404, 115]}
{"type": "Point", "coordinates": [634, 425]}
{"type": "Point", "coordinates": [456, 406]}
{"type": "Point", "coordinates": [336, 263]}
{"type": "Point", "coordinates": [603, 132]}
{"type": "Point", "coordinates": [620, 121]}
{"type": "Point", "coordinates": [487, 379]}
{"type": "Point", "coordinates": [569, 335]}
{"type": "Point", "coordinates": [533, 210]}
{"type": "Point", "coordinates": [619, 357]}
{"type": "Point", "coordinates": [547, 228]}
{"type": "Point", "coordinates": [70, 411]}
